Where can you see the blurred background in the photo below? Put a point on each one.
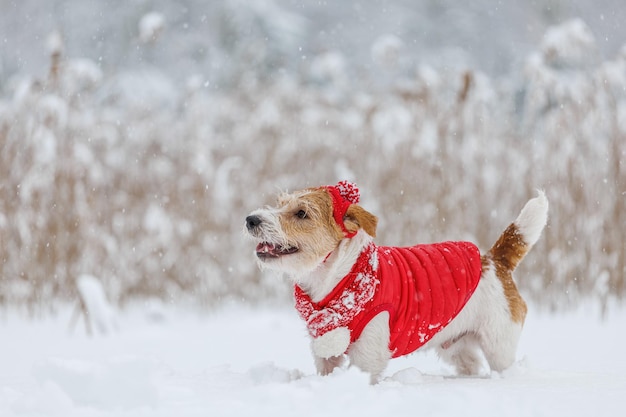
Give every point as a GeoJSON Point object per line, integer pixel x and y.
{"type": "Point", "coordinates": [135, 136]}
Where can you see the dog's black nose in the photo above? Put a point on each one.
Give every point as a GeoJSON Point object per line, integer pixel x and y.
{"type": "Point", "coordinates": [253, 221]}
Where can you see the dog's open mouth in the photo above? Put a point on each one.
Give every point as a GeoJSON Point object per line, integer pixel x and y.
{"type": "Point", "coordinates": [267, 250]}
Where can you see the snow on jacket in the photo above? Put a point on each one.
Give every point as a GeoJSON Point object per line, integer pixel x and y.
{"type": "Point", "coordinates": [422, 287]}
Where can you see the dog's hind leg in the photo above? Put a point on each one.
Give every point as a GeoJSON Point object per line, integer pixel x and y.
{"type": "Point", "coordinates": [463, 353]}
{"type": "Point", "coordinates": [500, 345]}
{"type": "Point", "coordinates": [370, 352]}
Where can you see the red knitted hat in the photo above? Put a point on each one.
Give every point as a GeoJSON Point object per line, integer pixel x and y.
{"type": "Point", "coordinates": [344, 194]}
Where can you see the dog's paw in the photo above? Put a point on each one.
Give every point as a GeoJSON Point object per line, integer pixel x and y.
{"type": "Point", "coordinates": [332, 343]}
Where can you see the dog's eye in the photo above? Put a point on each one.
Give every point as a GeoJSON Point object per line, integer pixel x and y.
{"type": "Point", "coordinates": [301, 214]}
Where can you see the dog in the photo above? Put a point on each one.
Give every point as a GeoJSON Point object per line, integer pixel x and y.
{"type": "Point", "coordinates": [372, 303]}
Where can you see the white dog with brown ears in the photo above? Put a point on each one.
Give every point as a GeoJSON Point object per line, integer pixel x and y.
{"type": "Point", "coordinates": [373, 303]}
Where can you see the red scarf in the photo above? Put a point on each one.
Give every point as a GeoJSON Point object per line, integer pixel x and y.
{"type": "Point", "coordinates": [422, 287]}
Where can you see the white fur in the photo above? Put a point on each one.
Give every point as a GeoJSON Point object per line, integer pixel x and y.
{"type": "Point", "coordinates": [332, 343]}
{"type": "Point", "coordinates": [533, 218]}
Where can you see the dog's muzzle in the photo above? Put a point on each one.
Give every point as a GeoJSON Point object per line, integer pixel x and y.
{"type": "Point", "coordinates": [266, 250]}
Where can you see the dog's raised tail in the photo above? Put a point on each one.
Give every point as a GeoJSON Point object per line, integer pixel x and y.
{"type": "Point", "coordinates": [522, 234]}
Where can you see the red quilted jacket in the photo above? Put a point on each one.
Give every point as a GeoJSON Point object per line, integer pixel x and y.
{"type": "Point", "coordinates": [422, 287]}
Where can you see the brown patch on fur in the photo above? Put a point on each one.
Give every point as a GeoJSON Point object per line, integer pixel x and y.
{"type": "Point", "coordinates": [357, 217]}
{"type": "Point", "coordinates": [316, 233]}
{"type": "Point", "coordinates": [510, 248]}
{"type": "Point", "coordinates": [506, 254]}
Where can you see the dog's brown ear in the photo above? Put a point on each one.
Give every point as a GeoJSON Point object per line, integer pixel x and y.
{"type": "Point", "coordinates": [358, 218]}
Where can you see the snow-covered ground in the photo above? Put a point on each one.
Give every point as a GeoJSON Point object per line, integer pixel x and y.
{"type": "Point", "coordinates": [240, 361]}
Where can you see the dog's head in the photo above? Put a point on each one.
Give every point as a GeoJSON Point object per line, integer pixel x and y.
{"type": "Point", "coordinates": [305, 226]}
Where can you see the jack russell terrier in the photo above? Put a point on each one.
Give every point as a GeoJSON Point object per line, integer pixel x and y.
{"type": "Point", "coordinates": [372, 303]}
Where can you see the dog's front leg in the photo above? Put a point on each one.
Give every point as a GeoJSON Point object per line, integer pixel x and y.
{"type": "Point", "coordinates": [326, 366]}
{"type": "Point", "coordinates": [328, 349]}
{"type": "Point", "coordinates": [370, 352]}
